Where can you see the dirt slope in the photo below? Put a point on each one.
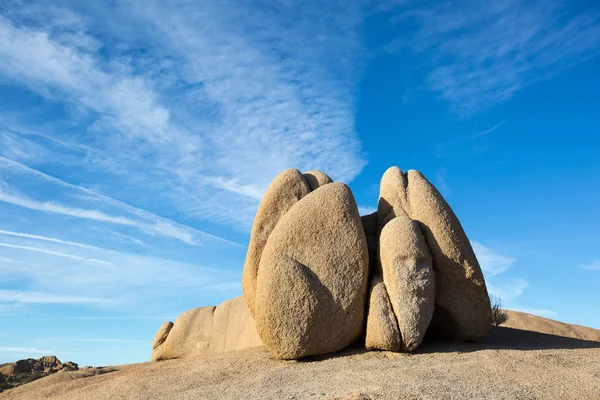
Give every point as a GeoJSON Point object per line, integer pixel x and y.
{"type": "Point", "coordinates": [510, 364]}
{"type": "Point", "coordinates": [530, 322]}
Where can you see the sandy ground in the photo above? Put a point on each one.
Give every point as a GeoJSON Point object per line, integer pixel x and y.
{"type": "Point", "coordinates": [511, 364]}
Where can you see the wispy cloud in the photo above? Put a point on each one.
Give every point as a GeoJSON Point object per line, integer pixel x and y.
{"type": "Point", "coordinates": [220, 106]}
{"type": "Point", "coordinates": [55, 253]}
{"type": "Point", "coordinates": [536, 311]}
{"type": "Point", "coordinates": [509, 289]}
{"type": "Point", "coordinates": [111, 277]}
{"type": "Point", "coordinates": [28, 350]}
{"type": "Point", "coordinates": [47, 239]}
{"type": "Point", "coordinates": [150, 222]}
{"type": "Point", "coordinates": [592, 266]}
{"type": "Point", "coordinates": [487, 131]}
{"type": "Point", "coordinates": [492, 263]}
{"type": "Point", "coordinates": [30, 297]}
{"type": "Point", "coordinates": [484, 55]}
{"type": "Point", "coordinates": [106, 340]}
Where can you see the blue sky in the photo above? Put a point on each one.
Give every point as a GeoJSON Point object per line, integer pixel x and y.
{"type": "Point", "coordinates": [137, 138]}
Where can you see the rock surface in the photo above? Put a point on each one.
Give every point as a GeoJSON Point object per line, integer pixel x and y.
{"type": "Point", "coordinates": [312, 278]}
{"type": "Point", "coordinates": [409, 278]}
{"type": "Point", "coordinates": [462, 309]}
{"type": "Point", "coordinates": [505, 366]}
{"type": "Point", "coordinates": [162, 334]}
{"type": "Point", "coordinates": [226, 327]}
{"type": "Point", "coordinates": [27, 370]}
{"type": "Point", "coordinates": [462, 302]}
{"type": "Point", "coordinates": [285, 191]}
{"type": "Point", "coordinates": [382, 331]}
{"type": "Point", "coordinates": [316, 179]}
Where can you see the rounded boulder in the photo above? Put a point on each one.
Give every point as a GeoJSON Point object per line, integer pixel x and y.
{"type": "Point", "coordinates": [312, 279]}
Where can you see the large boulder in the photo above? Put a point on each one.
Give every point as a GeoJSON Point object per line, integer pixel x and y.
{"type": "Point", "coordinates": [189, 335]}
{"type": "Point", "coordinates": [409, 278]}
{"type": "Point", "coordinates": [285, 191]}
{"type": "Point", "coordinates": [316, 179]}
{"type": "Point", "coordinates": [462, 309]}
{"type": "Point", "coordinates": [233, 327]}
{"type": "Point", "coordinates": [226, 327]}
{"type": "Point", "coordinates": [382, 331]}
{"type": "Point", "coordinates": [312, 279]}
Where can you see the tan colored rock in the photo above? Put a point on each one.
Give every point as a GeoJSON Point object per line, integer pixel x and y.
{"type": "Point", "coordinates": [285, 191]}
{"type": "Point", "coordinates": [312, 278]}
{"type": "Point", "coordinates": [161, 334]}
{"type": "Point", "coordinates": [189, 336]}
{"type": "Point", "coordinates": [462, 302]}
{"type": "Point", "coordinates": [227, 327]}
{"type": "Point", "coordinates": [392, 196]}
{"type": "Point", "coordinates": [316, 179]}
{"type": "Point", "coordinates": [409, 278]}
{"type": "Point", "coordinates": [462, 309]}
{"type": "Point", "coordinates": [233, 327]}
{"type": "Point", "coordinates": [382, 329]}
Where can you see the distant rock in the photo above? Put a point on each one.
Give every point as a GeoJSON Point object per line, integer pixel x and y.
{"type": "Point", "coordinates": [312, 278]}
{"type": "Point", "coordinates": [30, 369]}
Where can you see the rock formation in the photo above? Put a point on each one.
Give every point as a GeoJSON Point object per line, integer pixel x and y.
{"type": "Point", "coordinates": [462, 306]}
{"type": "Point", "coordinates": [228, 326]}
{"type": "Point", "coordinates": [317, 277]}
{"type": "Point", "coordinates": [30, 369]}
{"type": "Point", "coordinates": [408, 277]}
{"type": "Point", "coordinates": [313, 275]}
{"type": "Point", "coordinates": [285, 191]}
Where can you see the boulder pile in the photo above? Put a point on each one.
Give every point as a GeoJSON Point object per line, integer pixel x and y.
{"type": "Point", "coordinates": [29, 369]}
{"type": "Point", "coordinates": [318, 277]}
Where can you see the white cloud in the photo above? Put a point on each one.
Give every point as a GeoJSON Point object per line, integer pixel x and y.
{"type": "Point", "coordinates": [150, 222]}
{"type": "Point", "coordinates": [47, 239]}
{"type": "Point", "coordinates": [31, 297]}
{"type": "Point", "coordinates": [487, 131]}
{"type": "Point", "coordinates": [29, 350]}
{"type": "Point", "coordinates": [592, 266]}
{"type": "Point", "coordinates": [536, 311]}
{"type": "Point", "coordinates": [484, 55]}
{"type": "Point", "coordinates": [215, 107]}
{"type": "Point", "coordinates": [106, 340]}
{"type": "Point", "coordinates": [54, 253]}
{"type": "Point", "coordinates": [492, 263]}
{"type": "Point", "coordinates": [111, 279]}
{"type": "Point", "coordinates": [509, 289]}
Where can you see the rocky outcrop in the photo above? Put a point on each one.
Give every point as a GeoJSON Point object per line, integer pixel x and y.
{"type": "Point", "coordinates": [462, 308]}
{"type": "Point", "coordinates": [228, 326]}
{"type": "Point", "coordinates": [30, 369]}
{"type": "Point", "coordinates": [312, 277]}
{"type": "Point", "coordinates": [311, 259]}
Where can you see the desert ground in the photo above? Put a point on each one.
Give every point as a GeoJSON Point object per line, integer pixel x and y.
{"type": "Point", "coordinates": [560, 361]}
